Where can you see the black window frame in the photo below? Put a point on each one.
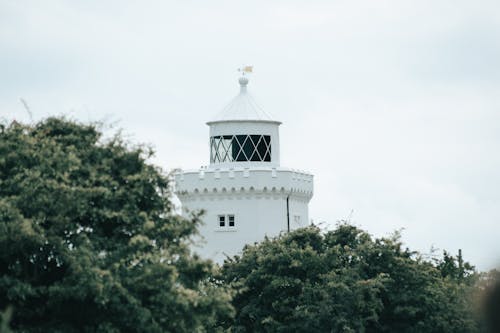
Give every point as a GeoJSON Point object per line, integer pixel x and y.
{"type": "Point", "coordinates": [222, 221]}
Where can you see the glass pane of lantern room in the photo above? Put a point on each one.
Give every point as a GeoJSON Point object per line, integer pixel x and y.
{"type": "Point", "coordinates": [267, 143]}
{"type": "Point", "coordinates": [225, 149]}
{"type": "Point", "coordinates": [214, 142]}
{"type": "Point", "coordinates": [239, 144]}
{"type": "Point", "coordinates": [213, 149]}
{"type": "Point", "coordinates": [255, 153]}
{"type": "Point", "coordinates": [248, 147]}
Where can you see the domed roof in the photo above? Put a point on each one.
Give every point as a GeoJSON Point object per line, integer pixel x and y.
{"type": "Point", "coordinates": [243, 108]}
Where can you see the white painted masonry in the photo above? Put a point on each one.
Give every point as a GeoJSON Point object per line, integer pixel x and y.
{"type": "Point", "coordinates": [244, 180]}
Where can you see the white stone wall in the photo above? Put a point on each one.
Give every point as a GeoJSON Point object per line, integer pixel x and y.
{"type": "Point", "coordinates": [257, 199]}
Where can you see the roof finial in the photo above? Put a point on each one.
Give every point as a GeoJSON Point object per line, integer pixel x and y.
{"type": "Point", "coordinates": [243, 80]}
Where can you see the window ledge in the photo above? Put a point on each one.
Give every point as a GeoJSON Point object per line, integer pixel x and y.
{"type": "Point", "coordinates": [226, 229]}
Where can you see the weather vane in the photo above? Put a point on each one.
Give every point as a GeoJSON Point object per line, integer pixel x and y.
{"type": "Point", "coordinates": [245, 69]}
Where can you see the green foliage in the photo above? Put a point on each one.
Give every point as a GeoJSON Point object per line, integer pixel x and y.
{"type": "Point", "coordinates": [456, 269]}
{"type": "Point", "coordinates": [5, 320]}
{"type": "Point", "coordinates": [345, 281]}
{"type": "Point", "coordinates": [88, 242]}
{"type": "Point", "coordinates": [488, 300]}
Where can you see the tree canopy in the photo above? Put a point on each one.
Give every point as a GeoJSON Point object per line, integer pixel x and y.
{"type": "Point", "coordinates": [88, 241]}
{"type": "Point", "coordinates": [346, 281]}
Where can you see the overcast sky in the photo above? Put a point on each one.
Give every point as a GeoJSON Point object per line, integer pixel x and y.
{"type": "Point", "coordinates": [394, 106]}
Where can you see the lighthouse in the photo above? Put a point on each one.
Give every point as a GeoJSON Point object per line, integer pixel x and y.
{"type": "Point", "coordinates": [244, 191]}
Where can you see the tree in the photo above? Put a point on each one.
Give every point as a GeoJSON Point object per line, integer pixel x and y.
{"type": "Point", "coordinates": [88, 240]}
{"type": "Point", "coordinates": [488, 300]}
{"type": "Point", "coordinates": [5, 320]}
{"type": "Point", "coordinates": [342, 281]}
{"type": "Point", "coordinates": [456, 269]}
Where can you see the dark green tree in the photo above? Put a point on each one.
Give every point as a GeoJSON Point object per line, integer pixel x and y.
{"type": "Point", "coordinates": [488, 300]}
{"type": "Point", "coordinates": [88, 240]}
{"type": "Point", "coordinates": [456, 269]}
{"type": "Point", "coordinates": [343, 281]}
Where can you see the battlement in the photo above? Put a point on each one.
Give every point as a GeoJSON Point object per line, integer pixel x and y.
{"type": "Point", "coordinates": [224, 181]}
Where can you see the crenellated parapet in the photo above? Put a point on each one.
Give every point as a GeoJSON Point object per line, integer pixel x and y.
{"type": "Point", "coordinates": [244, 182]}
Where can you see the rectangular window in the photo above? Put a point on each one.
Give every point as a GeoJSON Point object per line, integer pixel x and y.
{"type": "Point", "coordinates": [227, 221]}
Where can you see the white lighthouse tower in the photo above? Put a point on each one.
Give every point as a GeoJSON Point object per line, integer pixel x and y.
{"type": "Point", "coordinates": [244, 192]}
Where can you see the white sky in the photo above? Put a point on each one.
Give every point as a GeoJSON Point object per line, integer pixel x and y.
{"type": "Point", "coordinates": [393, 105]}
